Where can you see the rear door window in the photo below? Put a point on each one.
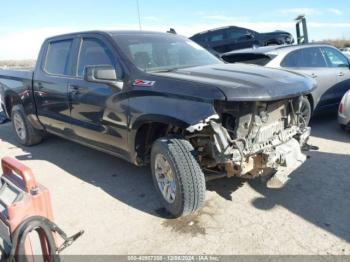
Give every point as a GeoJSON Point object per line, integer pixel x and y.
{"type": "Point", "coordinates": [306, 57]}
{"type": "Point", "coordinates": [57, 58]}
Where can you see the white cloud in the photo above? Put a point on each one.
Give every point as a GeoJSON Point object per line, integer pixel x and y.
{"type": "Point", "coordinates": [329, 25]}
{"type": "Point", "coordinates": [151, 18]}
{"type": "Point", "coordinates": [25, 44]}
{"type": "Point", "coordinates": [310, 11]}
{"type": "Point", "coordinates": [218, 17]}
{"type": "Point", "coordinates": [335, 11]}
{"type": "Point", "coordinates": [224, 18]}
{"type": "Point", "coordinates": [300, 11]}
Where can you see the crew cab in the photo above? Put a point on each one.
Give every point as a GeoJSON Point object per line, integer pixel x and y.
{"type": "Point", "coordinates": [161, 99]}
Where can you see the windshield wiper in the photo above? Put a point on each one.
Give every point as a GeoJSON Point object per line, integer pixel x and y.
{"type": "Point", "coordinates": [163, 70]}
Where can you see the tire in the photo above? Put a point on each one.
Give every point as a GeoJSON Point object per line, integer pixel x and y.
{"type": "Point", "coordinates": [345, 127]}
{"type": "Point", "coordinates": [305, 111]}
{"type": "Point", "coordinates": [189, 194]}
{"type": "Point", "coordinates": [28, 135]}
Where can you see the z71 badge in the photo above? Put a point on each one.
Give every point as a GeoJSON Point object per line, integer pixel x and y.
{"type": "Point", "coordinates": [144, 83]}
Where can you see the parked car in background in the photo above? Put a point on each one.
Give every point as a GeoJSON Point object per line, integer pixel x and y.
{"type": "Point", "coordinates": [344, 111]}
{"type": "Point", "coordinates": [326, 64]}
{"type": "Point", "coordinates": [225, 39]}
{"type": "Point", "coordinates": [161, 99]}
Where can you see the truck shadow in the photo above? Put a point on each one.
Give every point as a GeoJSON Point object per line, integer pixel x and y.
{"type": "Point", "coordinates": [324, 125]}
{"type": "Point", "coordinates": [129, 184]}
{"type": "Point", "coordinates": [318, 192]}
{"type": "Point", "coordinates": [225, 187]}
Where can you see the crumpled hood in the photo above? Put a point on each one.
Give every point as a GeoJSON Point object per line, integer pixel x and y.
{"type": "Point", "coordinates": [241, 82]}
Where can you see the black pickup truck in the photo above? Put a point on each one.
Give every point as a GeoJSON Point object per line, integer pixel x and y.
{"type": "Point", "coordinates": [162, 99]}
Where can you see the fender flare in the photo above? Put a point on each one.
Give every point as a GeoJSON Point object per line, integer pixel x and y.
{"type": "Point", "coordinates": [8, 94]}
{"type": "Point", "coordinates": [158, 118]}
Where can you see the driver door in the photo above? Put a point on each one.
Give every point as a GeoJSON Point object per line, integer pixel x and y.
{"type": "Point", "coordinates": [97, 118]}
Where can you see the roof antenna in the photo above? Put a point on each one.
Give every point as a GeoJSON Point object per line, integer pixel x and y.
{"type": "Point", "coordinates": [171, 31]}
{"type": "Point", "coordinates": [138, 14]}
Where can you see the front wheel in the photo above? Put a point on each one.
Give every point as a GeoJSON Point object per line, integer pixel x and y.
{"type": "Point", "coordinates": [177, 176]}
{"type": "Point", "coordinates": [305, 111]}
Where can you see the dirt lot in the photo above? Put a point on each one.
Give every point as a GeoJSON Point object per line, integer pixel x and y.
{"type": "Point", "coordinates": [114, 202]}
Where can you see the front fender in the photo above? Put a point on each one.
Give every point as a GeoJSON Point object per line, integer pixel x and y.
{"type": "Point", "coordinates": [172, 110]}
{"type": "Point", "coordinates": [167, 110]}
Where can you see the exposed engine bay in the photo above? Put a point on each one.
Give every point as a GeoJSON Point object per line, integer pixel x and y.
{"type": "Point", "coordinates": [251, 139]}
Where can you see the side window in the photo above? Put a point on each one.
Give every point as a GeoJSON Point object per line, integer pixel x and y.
{"type": "Point", "coordinates": [292, 59]}
{"type": "Point", "coordinates": [307, 57]}
{"type": "Point", "coordinates": [217, 36]}
{"type": "Point", "coordinates": [237, 34]}
{"type": "Point", "coordinates": [335, 58]}
{"type": "Point", "coordinates": [93, 52]}
{"type": "Point", "coordinates": [200, 39]}
{"type": "Point", "coordinates": [142, 54]}
{"type": "Point", "coordinates": [57, 57]}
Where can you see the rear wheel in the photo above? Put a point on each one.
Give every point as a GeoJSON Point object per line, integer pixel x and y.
{"type": "Point", "coordinates": [177, 176]}
{"type": "Point", "coordinates": [26, 134]}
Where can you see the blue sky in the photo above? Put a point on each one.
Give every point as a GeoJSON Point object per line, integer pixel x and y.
{"type": "Point", "coordinates": [24, 24]}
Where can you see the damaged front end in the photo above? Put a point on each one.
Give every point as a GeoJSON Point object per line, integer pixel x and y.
{"type": "Point", "coordinates": [252, 139]}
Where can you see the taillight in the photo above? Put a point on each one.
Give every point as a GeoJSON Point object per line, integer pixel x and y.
{"type": "Point", "coordinates": [341, 108]}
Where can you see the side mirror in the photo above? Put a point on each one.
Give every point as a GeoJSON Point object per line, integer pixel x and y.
{"type": "Point", "coordinates": [101, 74]}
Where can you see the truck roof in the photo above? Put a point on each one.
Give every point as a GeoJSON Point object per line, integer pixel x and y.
{"type": "Point", "coordinates": [110, 32]}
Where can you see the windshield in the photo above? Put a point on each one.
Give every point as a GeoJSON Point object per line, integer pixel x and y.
{"type": "Point", "coordinates": [163, 52]}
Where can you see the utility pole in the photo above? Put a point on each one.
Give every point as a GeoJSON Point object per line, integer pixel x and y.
{"type": "Point", "coordinates": [138, 13]}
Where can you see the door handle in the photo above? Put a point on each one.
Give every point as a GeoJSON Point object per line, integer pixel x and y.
{"type": "Point", "coordinates": [340, 74]}
{"type": "Point", "coordinates": [313, 75]}
{"type": "Point", "coordinates": [74, 90]}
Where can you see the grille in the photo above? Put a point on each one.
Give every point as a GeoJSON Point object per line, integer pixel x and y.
{"type": "Point", "coordinates": [267, 131]}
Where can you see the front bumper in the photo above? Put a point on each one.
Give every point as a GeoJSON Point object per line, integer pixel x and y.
{"type": "Point", "coordinates": [281, 154]}
{"type": "Point", "coordinates": [343, 119]}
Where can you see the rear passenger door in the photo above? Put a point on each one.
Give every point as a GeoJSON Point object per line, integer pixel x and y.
{"type": "Point", "coordinates": [339, 66]}
{"type": "Point", "coordinates": [50, 85]}
{"type": "Point", "coordinates": [98, 117]}
{"type": "Point", "coordinates": [311, 62]}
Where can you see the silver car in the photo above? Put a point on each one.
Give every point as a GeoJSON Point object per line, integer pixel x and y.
{"type": "Point", "coordinates": [346, 51]}
{"type": "Point", "coordinates": [344, 111]}
{"type": "Point", "coordinates": [326, 64]}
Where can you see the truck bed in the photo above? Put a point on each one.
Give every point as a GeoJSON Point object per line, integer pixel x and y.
{"type": "Point", "coordinates": [15, 81]}
{"type": "Point", "coordinates": [16, 74]}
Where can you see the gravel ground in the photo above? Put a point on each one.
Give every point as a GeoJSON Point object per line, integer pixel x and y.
{"type": "Point", "coordinates": [115, 203]}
